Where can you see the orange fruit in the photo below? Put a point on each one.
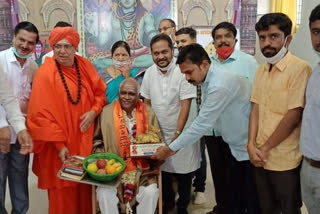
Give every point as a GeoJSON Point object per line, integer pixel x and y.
{"type": "Point", "coordinates": [110, 169]}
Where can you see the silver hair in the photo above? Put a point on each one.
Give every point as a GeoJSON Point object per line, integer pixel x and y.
{"type": "Point", "coordinates": [133, 80]}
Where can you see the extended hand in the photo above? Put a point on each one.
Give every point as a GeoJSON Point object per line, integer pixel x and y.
{"type": "Point", "coordinates": [25, 141]}
{"type": "Point", "coordinates": [5, 139]}
{"type": "Point", "coordinates": [86, 120]}
{"type": "Point", "coordinates": [254, 155]}
{"type": "Point", "coordinates": [63, 154]}
{"type": "Point", "coordinates": [162, 153]}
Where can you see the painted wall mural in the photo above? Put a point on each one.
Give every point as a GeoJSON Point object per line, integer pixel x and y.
{"type": "Point", "coordinates": [106, 21]}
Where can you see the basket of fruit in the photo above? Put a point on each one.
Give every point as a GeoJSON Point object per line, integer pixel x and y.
{"type": "Point", "coordinates": [104, 166]}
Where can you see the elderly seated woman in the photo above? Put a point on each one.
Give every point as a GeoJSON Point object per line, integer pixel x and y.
{"type": "Point", "coordinates": [118, 125]}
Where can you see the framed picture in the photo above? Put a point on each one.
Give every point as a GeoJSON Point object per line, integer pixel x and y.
{"type": "Point", "coordinates": [101, 23]}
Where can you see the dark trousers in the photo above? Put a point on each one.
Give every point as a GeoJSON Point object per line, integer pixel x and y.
{"type": "Point", "coordinates": [200, 177]}
{"type": "Point", "coordinates": [14, 166]}
{"type": "Point", "coordinates": [241, 194]}
{"type": "Point", "coordinates": [184, 190]}
{"type": "Point", "coordinates": [219, 154]}
{"type": "Point", "coordinates": [278, 191]}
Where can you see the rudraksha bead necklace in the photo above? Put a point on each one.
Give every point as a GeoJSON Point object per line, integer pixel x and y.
{"type": "Point", "coordinates": [65, 83]}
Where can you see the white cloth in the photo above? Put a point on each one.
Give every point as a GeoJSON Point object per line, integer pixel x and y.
{"type": "Point", "coordinates": [10, 104]}
{"type": "Point", "coordinates": [147, 198]}
{"type": "Point", "coordinates": [166, 92]}
{"type": "Point", "coordinates": [20, 79]}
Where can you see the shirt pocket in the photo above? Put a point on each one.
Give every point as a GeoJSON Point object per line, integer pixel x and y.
{"type": "Point", "coordinates": [278, 102]}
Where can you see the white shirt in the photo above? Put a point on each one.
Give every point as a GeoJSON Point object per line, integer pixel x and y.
{"type": "Point", "coordinates": [166, 92]}
{"type": "Point", "coordinates": [20, 79]}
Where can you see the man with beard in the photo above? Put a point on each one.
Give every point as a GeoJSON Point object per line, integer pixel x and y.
{"type": "Point", "coordinates": [226, 59]}
{"type": "Point", "coordinates": [277, 103]}
{"type": "Point", "coordinates": [187, 36]}
{"type": "Point", "coordinates": [168, 92]}
{"type": "Point", "coordinates": [310, 135]}
{"type": "Point", "coordinates": [226, 108]}
{"type": "Point", "coordinates": [20, 69]}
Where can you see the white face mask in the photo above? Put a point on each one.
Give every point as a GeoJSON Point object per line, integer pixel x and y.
{"type": "Point", "coordinates": [118, 64]}
{"type": "Point", "coordinates": [276, 58]}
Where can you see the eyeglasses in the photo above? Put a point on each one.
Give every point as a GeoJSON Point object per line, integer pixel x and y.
{"type": "Point", "coordinates": [164, 29]}
{"type": "Point", "coordinates": [59, 47]}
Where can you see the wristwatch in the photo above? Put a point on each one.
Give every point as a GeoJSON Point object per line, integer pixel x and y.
{"type": "Point", "coordinates": [178, 132]}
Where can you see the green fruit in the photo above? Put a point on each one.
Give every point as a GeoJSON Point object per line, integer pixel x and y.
{"type": "Point", "coordinates": [92, 167]}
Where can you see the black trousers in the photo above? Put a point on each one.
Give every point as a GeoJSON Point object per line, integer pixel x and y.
{"type": "Point", "coordinates": [184, 182]}
{"type": "Point", "coordinates": [241, 194]}
{"type": "Point", "coordinates": [219, 154]}
{"type": "Point", "coordinates": [200, 176]}
{"type": "Point", "coordinates": [278, 191]}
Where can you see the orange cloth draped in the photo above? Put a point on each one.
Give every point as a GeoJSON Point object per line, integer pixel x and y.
{"type": "Point", "coordinates": [60, 33]}
{"type": "Point", "coordinates": [63, 200]}
{"type": "Point", "coordinates": [123, 139]}
{"type": "Point", "coordinates": [54, 122]}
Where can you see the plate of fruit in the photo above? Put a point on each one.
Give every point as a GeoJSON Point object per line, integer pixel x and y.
{"type": "Point", "coordinates": [104, 166]}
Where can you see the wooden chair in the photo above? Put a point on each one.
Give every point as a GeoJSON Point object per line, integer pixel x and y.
{"type": "Point", "coordinates": [94, 197]}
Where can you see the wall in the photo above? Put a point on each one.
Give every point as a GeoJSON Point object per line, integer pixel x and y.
{"type": "Point", "coordinates": [36, 17]}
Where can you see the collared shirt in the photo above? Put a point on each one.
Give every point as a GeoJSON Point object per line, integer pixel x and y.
{"type": "Point", "coordinates": [20, 79]}
{"type": "Point", "coordinates": [310, 132]}
{"type": "Point", "coordinates": [277, 91]}
{"type": "Point", "coordinates": [166, 92]}
{"type": "Point", "coordinates": [226, 108]}
{"type": "Point", "coordinates": [238, 62]}
{"type": "Point", "coordinates": [10, 104]}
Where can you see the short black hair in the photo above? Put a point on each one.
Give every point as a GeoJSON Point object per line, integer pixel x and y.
{"type": "Point", "coordinates": [28, 26]}
{"type": "Point", "coordinates": [194, 52]}
{"type": "Point", "coordinates": [315, 15]}
{"type": "Point", "coordinates": [62, 24]}
{"type": "Point", "coordinates": [279, 19]}
{"type": "Point", "coordinates": [187, 30]}
{"type": "Point", "coordinates": [160, 37]}
{"type": "Point", "coordinates": [225, 25]}
{"type": "Point", "coordinates": [173, 24]}
{"type": "Point", "coordinates": [120, 44]}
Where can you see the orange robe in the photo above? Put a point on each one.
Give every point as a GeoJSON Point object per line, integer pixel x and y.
{"type": "Point", "coordinates": [54, 122]}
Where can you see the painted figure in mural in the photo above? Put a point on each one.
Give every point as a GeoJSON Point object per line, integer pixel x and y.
{"type": "Point", "coordinates": [120, 70]}
{"type": "Point", "coordinates": [129, 21]}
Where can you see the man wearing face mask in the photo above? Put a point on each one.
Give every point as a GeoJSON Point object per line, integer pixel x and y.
{"type": "Point", "coordinates": [310, 135]}
{"type": "Point", "coordinates": [20, 69]}
{"type": "Point", "coordinates": [226, 59]}
{"type": "Point", "coordinates": [170, 95]}
{"type": "Point", "coordinates": [277, 103]}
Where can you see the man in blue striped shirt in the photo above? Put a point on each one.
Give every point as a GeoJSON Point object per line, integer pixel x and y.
{"type": "Point", "coordinates": [310, 134]}
{"type": "Point", "coordinates": [225, 108]}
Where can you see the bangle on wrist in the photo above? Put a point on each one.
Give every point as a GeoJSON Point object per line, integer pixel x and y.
{"type": "Point", "coordinates": [177, 132]}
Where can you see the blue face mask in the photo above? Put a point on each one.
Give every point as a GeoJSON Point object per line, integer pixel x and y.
{"type": "Point", "coordinates": [14, 50]}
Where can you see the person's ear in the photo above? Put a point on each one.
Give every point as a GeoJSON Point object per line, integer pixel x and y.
{"type": "Point", "coordinates": [289, 39]}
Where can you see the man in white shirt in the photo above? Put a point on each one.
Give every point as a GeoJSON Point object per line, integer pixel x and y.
{"type": "Point", "coordinates": [168, 26]}
{"type": "Point", "coordinates": [20, 69]}
{"type": "Point", "coordinates": [170, 95]}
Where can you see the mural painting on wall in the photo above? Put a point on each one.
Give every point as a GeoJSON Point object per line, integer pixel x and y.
{"type": "Point", "coordinates": [136, 21]}
{"type": "Point", "coordinates": [8, 19]}
{"type": "Point", "coordinates": [42, 47]}
{"type": "Point", "coordinates": [247, 25]}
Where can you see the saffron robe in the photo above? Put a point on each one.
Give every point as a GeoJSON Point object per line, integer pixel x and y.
{"type": "Point", "coordinates": [54, 122]}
